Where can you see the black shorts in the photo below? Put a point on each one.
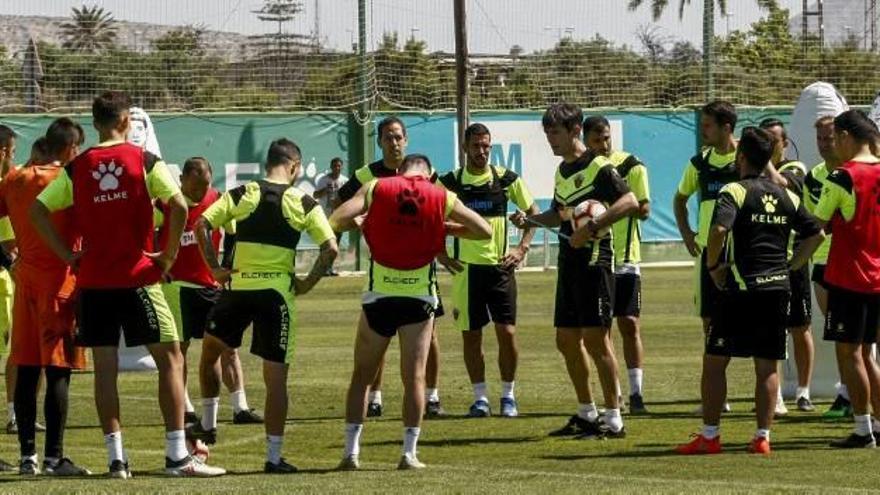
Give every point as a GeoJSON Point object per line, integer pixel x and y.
{"type": "Point", "coordinates": [707, 294]}
{"type": "Point", "coordinates": [584, 295]}
{"type": "Point", "coordinates": [627, 294]}
{"type": "Point", "coordinates": [749, 324]}
{"type": "Point", "coordinates": [801, 304]}
{"type": "Point", "coordinates": [141, 314]}
{"type": "Point", "coordinates": [190, 306]}
{"type": "Point", "coordinates": [819, 275]}
{"type": "Point", "coordinates": [852, 317]}
{"type": "Point", "coordinates": [272, 315]}
{"type": "Point", "coordinates": [483, 293]}
{"type": "Point", "coordinates": [386, 315]}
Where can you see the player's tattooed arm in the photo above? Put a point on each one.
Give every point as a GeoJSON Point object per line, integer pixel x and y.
{"type": "Point", "coordinates": [329, 251]}
{"type": "Point", "coordinates": [203, 236]}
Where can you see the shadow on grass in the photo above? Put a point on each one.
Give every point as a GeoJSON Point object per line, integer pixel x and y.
{"type": "Point", "coordinates": [667, 450]}
{"type": "Point", "coordinates": [456, 442]}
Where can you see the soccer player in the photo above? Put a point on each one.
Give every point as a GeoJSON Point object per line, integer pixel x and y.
{"type": "Point", "coordinates": [194, 290]}
{"type": "Point", "coordinates": [627, 236]}
{"type": "Point", "coordinates": [791, 174]}
{"type": "Point", "coordinates": [405, 228]}
{"type": "Point", "coordinates": [814, 183]}
{"type": "Point", "coordinates": [7, 155]}
{"type": "Point", "coordinates": [110, 188]}
{"type": "Point", "coordinates": [484, 272]}
{"type": "Point", "coordinates": [392, 138]}
{"type": "Point", "coordinates": [849, 206]}
{"type": "Point", "coordinates": [327, 193]}
{"type": "Point", "coordinates": [585, 282]}
{"type": "Point", "coordinates": [43, 323]}
{"type": "Point", "coordinates": [752, 222]}
{"type": "Point", "coordinates": [271, 215]}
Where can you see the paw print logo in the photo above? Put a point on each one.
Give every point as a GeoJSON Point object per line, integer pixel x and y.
{"type": "Point", "coordinates": [409, 201]}
{"type": "Point", "coordinates": [769, 203]}
{"type": "Point", "coordinates": [107, 176]}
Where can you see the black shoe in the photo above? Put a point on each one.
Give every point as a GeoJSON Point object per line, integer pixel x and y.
{"type": "Point", "coordinates": [197, 432]}
{"type": "Point", "coordinates": [805, 405]}
{"type": "Point", "coordinates": [637, 404]}
{"type": "Point", "coordinates": [577, 426]}
{"type": "Point", "coordinates": [281, 468]}
{"type": "Point", "coordinates": [433, 410]}
{"type": "Point", "coordinates": [855, 441]}
{"type": "Point", "coordinates": [28, 467]}
{"type": "Point", "coordinates": [374, 410]}
{"type": "Point", "coordinates": [247, 417]}
{"type": "Point", "coordinates": [840, 409]}
{"type": "Point", "coordinates": [119, 469]}
{"type": "Point", "coordinates": [609, 433]}
{"type": "Point", "coordinates": [190, 418]}
{"type": "Point", "coordinates": [64, 467]}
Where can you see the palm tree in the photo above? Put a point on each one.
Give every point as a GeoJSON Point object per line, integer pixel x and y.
{"type": "Point", "coordinates": [90, 30]}
{"type": "Point", "coordinates": [658, 6]}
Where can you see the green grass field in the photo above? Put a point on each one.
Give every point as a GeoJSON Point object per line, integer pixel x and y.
{"type": "Point", "coordinates": [471, 456]}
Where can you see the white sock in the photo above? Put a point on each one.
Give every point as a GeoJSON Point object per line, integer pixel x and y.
{"type": "Point", "coordinates": [763, 433]}
{"type": "Point", "coordinates": [617, 388]}
{"type": "Point", "coordinates": [375, 397]}
{"type": "Point", "coordinates": [803, 392]}
{"type": "Point", "coordinates": [481, 391]}
{"type": "Point", "coordinates": [613, 419]}
{"type": "Point", "coordinates": [507, 390]}
{"type": "Point", "coordinates": [239, 401]}
{"type": "Point", "coordinates": [635, 380]}
{"type": "Point", "coordinates": [410, 439]}
{"type": "Point", "coordinates": [273, 448]}
{"type": "Point", "coordinates": [175, 445]}
{"type": "Point", "coordinates": [353, 439]}
{"type": "Point", "coordinates": [711, 431]}
{"type": "Point", "coordinates": [188, 403]}
{"type": "Point", "coordinates": [10, 412]}
{"type": "Point", "coordinates": [863, 424]}
{"type": "Point", "coordinates": [843, 391]}
{"type": "Point", "coordinates": [209, 412]}
{"type": "Point", "coordinates": [588, 412]}
{"type": "Point", "coordinates": [432, 395]}
{"type": "Point", "coordinates": [779, 398]}
{"type": "Point", "coordinates": [113, 441]}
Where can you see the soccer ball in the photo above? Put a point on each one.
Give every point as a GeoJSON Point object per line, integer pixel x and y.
{"type": "Point", "coordinates": [587, 210]}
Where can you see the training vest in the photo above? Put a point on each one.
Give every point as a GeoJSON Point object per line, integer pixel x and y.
{"type": "Point", "coordinates": [405, 226]}
{"type": "Point", "coordinates": [267, 225]}
{"type": "Point", "coordinates": [711, 179]}
{"type": "Point", "coordinates": [114, 213]}
{"type": "Point", "coordinates": [487, 200]}
{"type": "Point", "coordinates": [624, 163]}
{"type": "Point", "coordinates": [190, 265]}
{"type": "Point", "coordinates": [854, 259]}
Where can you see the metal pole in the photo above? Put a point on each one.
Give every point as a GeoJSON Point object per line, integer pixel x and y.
{"type": "Point", "coordinates": [363, 124]}
{"type": "Point", "coordinates": [461, 72]}
{"type": "Point", "coordinates": [709, 47]}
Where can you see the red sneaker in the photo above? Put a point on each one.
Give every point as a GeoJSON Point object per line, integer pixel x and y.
{"type": "Point", "coordinates": [759, 445]}
{"type": "Point", "coordinates": [700, 445]}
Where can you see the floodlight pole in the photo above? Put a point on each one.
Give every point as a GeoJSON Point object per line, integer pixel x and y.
{"type": "Point", "coordinates": [461, 73]}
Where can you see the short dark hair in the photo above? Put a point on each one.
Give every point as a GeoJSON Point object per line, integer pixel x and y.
{"type": "Point", "coordinates": [722, 113]}
{"type": "Point", "coordinates": [108, 108]}
{"type": "Point", "coordinates": [62, 133]}
{"type": "Point", "coordinates": [194, 163]}
{"type": "Point", "coordinates": [386, 122]}
{"type": "Point", "coordinates": [39, 150]}
{"type": "Point", "coordinates": [770, 123]}
{"type": "Point", "coordinates": [475, 129]}
{"type": "Point", "coordinates": [595, 123]}
{"type": "Point", "coordinates": [566, 115]}
{"type": "Point", "coordinates": [858, 125]}
{"type": "Point", "coordinates": [282, 151]}
{"type": "Point", "coordinates": [336, 159]}
{"type": "Point", "coordinates": [756, 145]}
{"type": "Point", "coordinates": [415, 159]}
{"type": "Point", "coordinates": [7, 136]}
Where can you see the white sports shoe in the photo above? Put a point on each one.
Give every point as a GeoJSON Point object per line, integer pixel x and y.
{"type": "Point", "coordinates": [408, 462]}
{"type": "Point", "coordinates": [781, 410]}
{"type": "Point", "coordinates": [191, 467]}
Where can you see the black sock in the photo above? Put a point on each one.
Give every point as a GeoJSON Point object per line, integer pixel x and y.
{"type": "Point", "coordinates": [55, 409]}
{"type": "Point", "coordinates": [26, 408]}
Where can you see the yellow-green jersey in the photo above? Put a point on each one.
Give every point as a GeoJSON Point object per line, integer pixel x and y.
{"type": "Point", "coordinates": [270, 218]}
{"type": "Point", "coordinates": [705, 174]}
{"type": "Point", "coordinates": [419, 283]}
{"type": "Point", "coordinates": [487, 193]}
{"type": "Point", "coordinates": [627, 232]}
{"type": "Point", "coordinates": [814, 183]}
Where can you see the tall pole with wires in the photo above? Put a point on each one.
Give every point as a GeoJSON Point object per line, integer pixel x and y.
{"type": "Point", "coordinates": [461, 72]}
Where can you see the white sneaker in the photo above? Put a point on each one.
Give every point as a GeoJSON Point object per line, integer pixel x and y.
{"type": "Point", "coordinates": [781, 410]}
{"type": "Point", "coordinates": [191, 467]}
{"type": "Point", "coordinates": [408, 462]}
{"type": "Point", "coordinates": [349, 463]}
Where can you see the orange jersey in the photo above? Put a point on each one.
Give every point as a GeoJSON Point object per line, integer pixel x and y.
{"type": "Point", "coordinates": [17, 193]}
